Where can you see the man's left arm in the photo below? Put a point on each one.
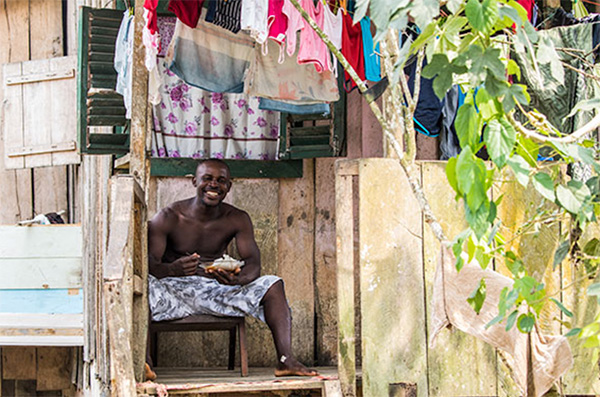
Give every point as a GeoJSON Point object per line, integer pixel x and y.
{"type": "Point", "coordinates": [248, 251]}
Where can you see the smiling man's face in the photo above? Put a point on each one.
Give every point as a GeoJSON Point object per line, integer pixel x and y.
{"type": "Point", "coordinates": [212, 182]}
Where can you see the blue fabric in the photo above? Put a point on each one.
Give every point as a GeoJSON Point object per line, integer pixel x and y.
{"type": "Point", "coordinates": [428, 114]}
{"type": "Point", "coordinates": [372, 61]}
{"type": "Point", "coordinates": [123, 59]}
{"type": "Point", "coordinates": [279, 106]}
{"type": "Point", "coordinates": [211, 11]}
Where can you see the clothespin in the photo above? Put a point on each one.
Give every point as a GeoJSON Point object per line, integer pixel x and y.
{"type": "Point", "coordinates": [343, 4]}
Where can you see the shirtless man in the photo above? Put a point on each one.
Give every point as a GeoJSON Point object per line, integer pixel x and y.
{"type": "Point", "coordinates": [196, 230]}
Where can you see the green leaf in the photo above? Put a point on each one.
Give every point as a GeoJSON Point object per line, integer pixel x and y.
{"type": "Point", "coordinates": [425, 36]}
{"type": "Point", "coordinates": [520, 168]}
{"type": "Point", "coordinates": [478, 220]}
{"type": "Point", "coordinates": [510, 13]}
{"type": "Point", "coordinates": [562, 308]}
{"type": "Point", "coordinates": [594, 289]}
{"type": "Point", "coordinates": [526, 322]}
{"type": "Point", "coordinates": [572, 196]}
{"type": "Point", "coordinates": [486, 104]}
{"type": "Point", "coordinates": [546, 54]}
{"type": "Point", "coordinates": [451, 174]}
{"type": "Point", "coordinates": [467, 123]}
{"type": "Point", "coordinates": [482, 15]}
{"type": "Point", "coordinates": [573, 332]}
{"type": "Point", "coordinates": [454, 5]}
{"type": "Point", "coordinates": [515, 93]}
{"type": "Point", "coordinates": [512, 68]}
{"type": "Point", "coordinates": [510, 321]}
{"type": "Point", "coordinates": [561, 253]}
{"type": "Point", "coordinates": [425, 11]}
{"type": "Point", "coordinates": [477, 297]}
{"type": "Point", "coordinates": [520, 10]}
{"type": "Point", "coordinates": [528, 149]}
{"type": "Point", "coordinates": [592, 247]}
{"type": "Point", "coordinates": [544, 184]}
{"type": "Point", "coordinates": [500, 138]}
{"type": "Point", "coordinates": [443, 72]}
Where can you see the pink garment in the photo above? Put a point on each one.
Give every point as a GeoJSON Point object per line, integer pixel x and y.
{"type": "Point", "coordinates": [277, 21]}
{"type": "Point", "coordinates": [332, 27]}
{"type": "Point", "coordinates": [312, 48]}
{"type": "Point", "coordinates": [295, 23]}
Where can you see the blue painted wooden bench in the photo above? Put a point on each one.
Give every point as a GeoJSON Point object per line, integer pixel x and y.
{"type": "Point", "coordinates": [41, 296]}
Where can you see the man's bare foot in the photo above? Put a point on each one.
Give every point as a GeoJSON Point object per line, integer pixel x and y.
{"type": "Point", "coordinates": [293, 367]}
{"type": "Point", "coordinates": [149, 374]}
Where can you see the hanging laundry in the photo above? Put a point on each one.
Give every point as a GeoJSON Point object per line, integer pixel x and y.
{"type": "Point", "coordinates": [352, 49]}
{"type": "Point", "coordinates": [187, 11]}
{"type": "Point", "coordinates": [254, 19]}
{"type": "Point", "coordinates": [553, 98]}
{"type": "Point", "coordinates": [150, 15]}
{"type": "Point", "coordinates": [289, 81]}
{"type": "Point", "coordinates": [123, 60]}
{"type": "Point", "coordinates": [210, 57]}
{"type": "Point", "coordinates": [449, 144]}
{"type": "Point", "coordinates": [332, 27]}
{"type": "Point", "coordinates": [372, 61]}
{"type": "Point", "coordinates": [428, 112]}
{"type": "Point", "coordinates": [294, 24]}
{"type": "Point", "coordinates": [288, 107]}
{"type": "Point", "coordinates": [227, 14]}
{"type": "Point", "coordinates": [277, 21]}
{"type": "Point", "coordinates": [312, 49]}
{"type": "Point", "coordinates": [190, 122]}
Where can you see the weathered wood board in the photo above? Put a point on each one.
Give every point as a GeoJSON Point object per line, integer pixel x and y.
{"type": "Point", "coordinates": [453, 350]}
{"type": "Point", "coordinates": [391, 280]}
{"type": "Point", "coordinates": [295, 256]}
{"type": "Point", "coordinates": [582, 378]}
{"type": "Point", "coordinates": [53, 368]}
{"type": "Point", "coordinates": [40, 122]}
{"type": "Point", "coordinates": [325, 262]}
{"type": "Point", "coordinates": [15, 194]}
{"type": "Point", "coordinates": [19, 363]}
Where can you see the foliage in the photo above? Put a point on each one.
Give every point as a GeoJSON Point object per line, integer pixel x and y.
{"type": "Point", "coordinates": [470, 46]}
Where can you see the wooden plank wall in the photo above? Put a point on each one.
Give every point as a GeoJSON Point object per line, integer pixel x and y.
{"type": "Point", "coordinates": [398, 260]}
{"type": "Point", "coordinates": [30, 30]}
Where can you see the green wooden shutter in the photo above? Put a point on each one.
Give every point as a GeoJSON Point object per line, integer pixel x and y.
{"type": "Point", "coordinates": [314, 135]}
{"type": "Point", "coordinates": [98, 102]}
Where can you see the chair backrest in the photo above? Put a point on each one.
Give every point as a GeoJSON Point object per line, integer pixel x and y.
{"type": "Point", "coordinates": [41, 296]}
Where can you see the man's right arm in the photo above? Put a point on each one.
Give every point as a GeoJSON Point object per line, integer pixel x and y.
{"type": "Point", "coordinates": [158, 230]}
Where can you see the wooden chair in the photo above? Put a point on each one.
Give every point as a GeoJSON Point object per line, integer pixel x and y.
{"type": "Point", "coordinates": [205, 322]}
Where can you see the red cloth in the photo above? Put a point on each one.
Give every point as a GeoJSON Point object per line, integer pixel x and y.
{"type": "Point", "coordinates": [528, 6]}
{"type": "Point", "coordinates": [352, 49]}
{"type": "Point", "coordinates": [151, 5]}
{"type": "Point", "coordinates": [187, 11]}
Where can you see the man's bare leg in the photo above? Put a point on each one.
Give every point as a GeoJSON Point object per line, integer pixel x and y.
{"type": "Point", "coordinates": [279, 320]}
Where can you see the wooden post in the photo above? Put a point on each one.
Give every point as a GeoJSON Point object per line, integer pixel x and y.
{"type": "Point", "coordinates": [345, 169]}
{"type": "Point", "coordinates": [139, 136]}
{"type": "Point", "coordinates": [140, 142]}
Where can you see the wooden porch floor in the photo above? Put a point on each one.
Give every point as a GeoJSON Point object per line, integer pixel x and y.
{"type": "Point", "coordinates": [259, 382]}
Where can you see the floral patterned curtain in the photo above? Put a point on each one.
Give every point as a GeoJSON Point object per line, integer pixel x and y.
{"type": "Point", "coordinates": [190, 122]}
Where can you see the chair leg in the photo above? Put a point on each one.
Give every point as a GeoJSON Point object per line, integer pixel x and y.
{"type": "Point", "coordinates": [243, 351]}
{"type": "Point", "coordinates": [154, 348]}
{"type": "Point", "coordinates": [231, 364]}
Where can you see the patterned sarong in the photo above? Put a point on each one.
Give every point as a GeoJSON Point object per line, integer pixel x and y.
{"type": "Point", "coordinates": [172, 298]}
